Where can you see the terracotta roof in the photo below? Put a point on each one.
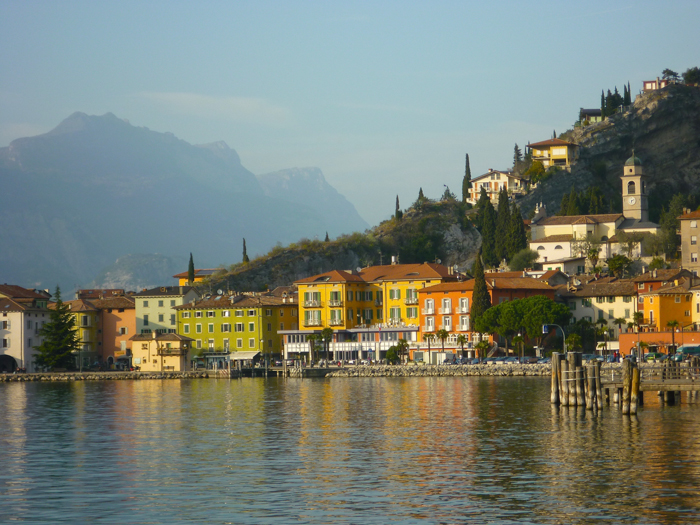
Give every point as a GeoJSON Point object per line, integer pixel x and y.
{"type": "Point", "coordinates": [204, 272]}
{"type": "Point", "coordinates": [387, 272]}
{"type": "Point", "coordinates": [605, 287]}
{"type": "Point", "coordinates": [672, 288]}
{"type": "Point", "coordinates": [76, 305]}
{"type": "Point", "coordinates": [99, 293]}
{"type": "Point", "coordinates": [507, 283]}
{"type": "Point", "coordinates": [227, 302]}
{"type": "Point", "coordinates": [164, 291]}
{"type": "Point", "coordinates": [492, 172]}
{"type": "Point", "coordinates": [122, 301]}
{"type": "Point", "coordinates": [9, 305]}
{"type": "Point", "coordinates": [554, 238]}
{"type": "Point", "coordinates": [551, 142]}
{"type": "Point", "coordinates": [662, 275]}
{"type": "Point", "coordinates": [579, 219]}
{"type": "Point", "coordinates": [283, 291]}
{"type": "Point", "coordinates": [690, 215]}
{"type": "Point", "coordinates": [17, 292]}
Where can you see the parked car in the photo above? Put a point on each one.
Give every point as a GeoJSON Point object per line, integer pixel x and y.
{"type": "Point", "coordinates": [545, 361]}
{"type": "Point", "coordinates": [592, 357]}
{"type": "Point", "coordinates": [686, 351]}
{"type": "Point", "coordinates": [528, 360]}
{"type": "Point", "coordinates": [475, 361]}
{"type": "Point", "coordinates": [655, 357]}
{"type": "Point", "coordinates": [512, 360]}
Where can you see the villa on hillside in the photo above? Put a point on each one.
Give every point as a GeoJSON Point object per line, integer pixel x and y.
{"type": "Point", "coordinates": [554, 152]}
{"type": "Point", "coordinates": [494, 181]}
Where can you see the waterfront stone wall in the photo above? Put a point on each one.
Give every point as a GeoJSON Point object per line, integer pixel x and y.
{"type": "Point", "coordinates": [104, 376]}
{"type": "Point", "coordinates": [410, 370]}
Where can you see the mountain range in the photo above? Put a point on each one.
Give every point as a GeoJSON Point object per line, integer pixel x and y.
{"type": "Point", "coordinates": [96, 189]}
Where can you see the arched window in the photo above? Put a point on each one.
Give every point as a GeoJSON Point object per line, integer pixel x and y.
{"type": "Point", "coordinates": [540, 248]}
{"type": "Point", "coordinates": [630, 188]}
{"type": "Point", "coordinates": [558, 247]}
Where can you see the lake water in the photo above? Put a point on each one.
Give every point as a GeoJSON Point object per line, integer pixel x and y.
{"type": "Point", "coordinates": [360, 450]}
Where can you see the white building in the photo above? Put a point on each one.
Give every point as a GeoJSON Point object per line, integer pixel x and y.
{"type": "Point", "coordinates": [493, 182]}
{"type": "Point", "coordinates": [23, 313]}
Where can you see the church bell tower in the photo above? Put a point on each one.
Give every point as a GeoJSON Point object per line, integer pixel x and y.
{"type": "Point", "coordinates": [634, 190]}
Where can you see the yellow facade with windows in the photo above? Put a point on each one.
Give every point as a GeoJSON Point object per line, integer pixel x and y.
{"type": "Point", "coordinates": [673, 302]}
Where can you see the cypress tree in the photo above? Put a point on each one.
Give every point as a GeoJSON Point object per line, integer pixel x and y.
{"type": "Point", "coordinates": [517, 154]}
{"type": "Point", "coordinates": [502, 223]}
{"type": "Point", "coordinates": [421, 197]}
{"type": "Point", "coordinates": [564, 206]}
{"type": "Point", "coordinates": [481, 300]}
{"type": "Point", "coordinates": [602, 104]}
{"type": "Point", "coordinates": [246, 259]}
{"type": "Point", "coordinates": [61, 339]}
{"type": "Point", "coordinates": [573, 208]}
{"type": "Point", "coordinates": [554, 134]}
{"type": "Point", "coordinates": [517, 238]}
{"type": "Point", "coordinates": [467, 180]}
{"type": "Point", "coordinates": [488, 236]}
{"type": "Point", "coordinates": [190, 270]}
{"type": "Point", "coordinates": [327, 239]}
{"type": "Point", "coordinates": [398, 214]}
{"type": "Point", "coordinates": [629, 94]}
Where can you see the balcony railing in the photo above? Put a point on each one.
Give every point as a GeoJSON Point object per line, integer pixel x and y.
{"type": "Point", "coordinates": [378, 302]}
{"type": "Point", "coordinates": [447, 310]}
{"type": "Point", "coordinates": [312, 322]}
{"type": "Point", "coordinates": [312, 304]}
{"type": "Point", "coordinates": [428, 329]}
{"type": "Point", "coordinates": [172, 351]}
{"type": "Point", "coordinates": [428, 311]}
{"type": "Point", "coordinates": [462, 310]}
{"type": "Point", "coordinates": [463, 328]}
{"type": "Point", "coordinates": [336, 322]}
{"type": "Point", "coordinates": [411, 300]}
{"type": "Point", "coordinates": [335, 302]}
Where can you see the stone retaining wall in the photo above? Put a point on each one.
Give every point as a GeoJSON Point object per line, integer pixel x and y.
{"type": "Point", "coordinates": [499, 370]}
{"type": "Point", "coordinates": [103, 376]}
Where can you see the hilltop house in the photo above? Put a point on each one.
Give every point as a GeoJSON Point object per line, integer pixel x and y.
{"type": "Point", "coordinates": [493, 182]}
{"type": "Point", "coordinates": [554, 152]}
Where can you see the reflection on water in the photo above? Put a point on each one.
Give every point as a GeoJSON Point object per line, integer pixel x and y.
{"type": "Point", "coordinates": [372, 450]}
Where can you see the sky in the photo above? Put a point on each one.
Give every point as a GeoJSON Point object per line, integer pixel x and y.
{"type": "Point", "coordinates": [384, 97]}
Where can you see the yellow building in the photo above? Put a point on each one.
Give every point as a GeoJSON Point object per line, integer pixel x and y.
{"type": "Point", "coordinates": [156, 352]}
{"type": "Point", "coordinates": [199, 275]}
{"type": "Point", "coordinates": [554, 152]}
{"type": "Point", "coordinates": [87, 323]}
{"type": "Point", "coordinates": [672, 302]}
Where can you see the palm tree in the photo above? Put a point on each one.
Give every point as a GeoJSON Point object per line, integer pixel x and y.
{"type": "Point", "coordinates": [427, 338]}
{"type": "Point", "coordinates": [402, 347]}
{"type": "Point", "coordinates": [602, 330]}
{"type": "Point", "coordinates": [619, 322]}
{"type": "Point", "coordinates": [673, 324]}
{"type": "Point", "coordinates": [461, 340]}
{"type": "Point", "coordinates": [442, 334]}
{"type": "Point", "coordinates": [326, 336]}
{"type": "Point", "coordinates": [312, 338]}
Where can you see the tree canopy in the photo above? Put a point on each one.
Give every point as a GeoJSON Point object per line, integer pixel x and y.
{"type": "Point", "coordinates": [61, 338]}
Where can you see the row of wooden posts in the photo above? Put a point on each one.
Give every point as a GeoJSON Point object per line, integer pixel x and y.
{"type": "Point", "coordinates": [576, 385]}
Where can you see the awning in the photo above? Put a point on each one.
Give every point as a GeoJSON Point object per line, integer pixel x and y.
{"type": "Point", "coordinates": [243, 356]}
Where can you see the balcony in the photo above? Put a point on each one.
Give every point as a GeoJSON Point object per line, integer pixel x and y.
{"type": "Point", "coordinates": [427, 329]}
{"type": "Point", "coordinates": [446, 311]}
{"type": "Point", "coordinates": [463, 328]}
{"type": "Point", "coordinates": [378, 302]}
{"type": "Point", "coordinates": [411, 300]}
{"type": "Point", "coordinates": [335, 302]}
{"type": "Point", "coordinates": [312, 304]}
{"type": "Point", "coordinates": [462, 310]}
{"type": "Point", "coordinates": [312, 322]}
{"type": "Point", "coordinates": [172, 351]}
{"type": "Point", "coordinates": [336, 322]}
{"type": "Point", "coordinates": [428, 311]}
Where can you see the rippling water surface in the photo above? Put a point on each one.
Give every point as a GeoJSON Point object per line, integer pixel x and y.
{"type": "Point", "coordinates": [374, 450]}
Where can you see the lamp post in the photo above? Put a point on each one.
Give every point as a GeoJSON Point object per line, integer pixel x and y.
{"type": "Point", "coordinates": [545, 331]}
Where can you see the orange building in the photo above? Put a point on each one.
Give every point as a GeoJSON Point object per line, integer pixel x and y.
{"type": "Point", "coordinates": [118, 323]}
{"type": "Point", "coordinates": [651, 281]}
{"type": "Point", "coordinates": [447, 305]}
{"type": "Point", "coordinates": [672, 302]}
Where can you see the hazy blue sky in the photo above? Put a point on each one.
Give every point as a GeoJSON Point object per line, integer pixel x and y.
{"type": "Point", "coordinates": [384, 97]}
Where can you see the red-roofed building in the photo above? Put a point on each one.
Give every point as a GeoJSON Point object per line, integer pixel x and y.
{"type": "Point", "coordinates": [554, 152]}
{"type": "Point", "coordinates": [22, 314]}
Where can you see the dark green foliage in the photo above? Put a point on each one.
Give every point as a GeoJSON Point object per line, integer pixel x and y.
{"type": "Point", "coordinates": [602, 104]}
{"type": "Point", "coordinates": [589, 202]}
{"type": "Point", "coordinates": [564, 205]}
{"type": "Point", "coordinates": [536, 172]}
{"type": "Point", "coordinates": [627, 96]}
{"type": "Point", "coordinates": [61, 338]}
{"type": "Point", "coordinates": [398, 214]}
{"type": "Point", "coordinates": [573, 207]}
{"type": "Point", "coordinates": [692, 76]}
{"type": "Point", "coordinates": [246, 259]}
{"type": "Point", "coordinates": [190, 270]}
{"type": "Point", "coordinates": [327, 239]}
{"type": "Point", "coordinates": [611, 102]}
{"type": "Point", "coordinates": [554, 134]}
{"type": "Point", "coordinates": [448, 195]}
{"type": "Point", "coordinates": [524, 259]}
{"type": "Point", "coordinates": [392, 354]}
{"type": "Point", "coordinates": [669, 74]}
{"type": "Point", "coordinates": [619, 265]}
{"type": "Point", "coordinates": [517, 237]}
{"type": "Point", "coordinates": [502, 226]}
{"type": "Point", "coordinates": [517, 154]}
{"type": "Point", "coordinates": [670, 224]}
{"type": "Point", "coordinates": [467, 180]}
{"type": "Point", "coordinates": [481, 300]}
{"type": "Point", "coordinates": [488, 235]}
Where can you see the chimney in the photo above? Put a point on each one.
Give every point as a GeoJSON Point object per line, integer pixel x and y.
{"type": "Point", "coordinates": [155, 334]}
{"type": "Point", "coordinates": [493, 283]}
{"type": "Point", "coordinates": [181, 292]}
{"type": "Point", "coordinates": [393, 260]}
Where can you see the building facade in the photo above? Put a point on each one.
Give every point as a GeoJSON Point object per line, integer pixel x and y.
{"type": "Point", "coordinates": [493, 182]}
{"type": "Point", "coordinates": [689, 240]}
{"type": "Point", "coordinates": [23, 313]}
{"type": "Point", "coordinates": [554, 152]}
{"type": "Point", "coordinates": [160, 352]}
{"type": "Point", "coordinates": [155, 308]}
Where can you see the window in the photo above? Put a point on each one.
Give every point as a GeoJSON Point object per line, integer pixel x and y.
{"type": "Point", "coordinates": [687, 313]}
{"type": "Point", "coordinates": [226, 327]}
{"type": "Point", "coordinates": [678, 298]}
{"type": "Point", "coordinates": [172, 319]}
{"type": "Point", "coordinates": [160, 318]}
{"type": "Point", "coordinates": [239, 327]}
{"type": "Point", "coordinates": [29, 322]}
{"type": "Point", "coordinates": [172, 302]}
{"type": "Point", "coordinates": [145, 304]}
{"type": "Point", "coordinates": [627, 313]}
{"type": "Point", "coordinates": [412, 312]}
{"type": "Point", "coordinates": [145, 320]}
{"type": "Point", "coordinates": [464, 322]}
{"type": "Point", "coordinates": [186, 328]}
{"type": "Point", "coordinates": [540, 248]}
{"type": "Point", "coordinates": [281, 326]}
{"type": "Point", "coordinates": [211, 313]}
{"type": "Point", "coordinates": [641, 300]}
{"type": "Point", "coordinates": [225, 313]}
{"type": "Point", "coordinates": [268, 311]}
{"type": "Point", "coordinates": [368, 296]}
{"type": "Point", "coordinates": [350, 317]}
{"type": "Point", "coordinates": [380, 314]}
{"type": "Point", "coordinates": [395, 314]}
{"type": "Point", "coordinates": [226, 347]}
{"type": "Point", "coordinates": [394, 293]}
{"type": "Point", "coordinates": [282, 312]}
{"type": "Point", "coordinates": [693, 224]}
{"type": "Point", "coordinates": [160, 304]}
{"type": "Point", "coordinates": [198, 328]}
{"type": "Point", "coordinates": [572, 305]}
{"type": "Point", "coordinates": [611, 299]}
{"type": "Point", "coordinates": [631, 188]}
{"type": "Point", "coordinates": [251, 313]}
{"type": "Point", "coordinates": [185, 315]}
{"type": "Point", "coordinates": [239, 313]}
{"type": "Point", "coordinates": [294, 312]}
{"type": "Point", "coordinates": [429, 324]}
{"type": "Point", "coordinates": [694, 257]}
{"type": "Point", "coordinates": [198, 314]}
{"type": "Point", "coordinates": [124, 330]}
{"type": "Point", "coordinates": [586, 303]}
{"type": "Point", "coordinates": [368, 314]}
{"type": "Point", "coordinates": [693, 240]}
{"type": "Point", "coordinates": [6, 343]}
{"type": "Point", "coordinates": [251, 343]}
{"type": "Point", "coordinates": [558, 247]}
{"type": "Point", "coordinates": [349, 295]}
{"type": "Point", "coordinates": [641, 286]}
{"type": "Point", "coordinates": [447, 323]}
{"type": "Point", "coordinates": [627, 299]}
{"type": "Point", "coordinates": [651, 300]}
{"type": "Point", "coordinates": [211, 328]}
{"type": "Point", "coordinates": [600, 300]}
{"type": "Point", "coordinates": [251, 327]}
{"type": "Point", "coordinates": [211, 344]}
{"type": "Point", "coordinates": [199, 343]}
{"type": "Point", "coordinates": [464, 305]}
{"type": "Point", "coordinates": [611, 314]}
{"type": "Point", "coordinates": [239, 343]}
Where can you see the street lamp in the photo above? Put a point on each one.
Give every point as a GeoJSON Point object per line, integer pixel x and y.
{"type": "Point", "coordinates": [545, 331]}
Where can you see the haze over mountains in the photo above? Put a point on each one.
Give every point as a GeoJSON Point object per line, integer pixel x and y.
{"type": "Point", "coordinates": [96, 188]}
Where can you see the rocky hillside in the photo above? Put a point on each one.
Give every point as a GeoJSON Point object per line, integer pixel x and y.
{"type": "Point", "coordinates": [433, 230]}
{"type": "Point", "coordinates": [663, 128]}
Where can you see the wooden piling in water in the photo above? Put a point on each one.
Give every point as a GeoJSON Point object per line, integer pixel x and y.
{"type": "Point", "coordinates": [564, 379]}
{"type": "Point", "coordinates": [591, 390]}
{"type": "Point", "coordinates": [634, 391]}
{"type": "Point", "coordinates": [555, 378]}
{"type": "Point", "coordinates": [580, 400]}
{"type": "Point", "coordinates": [598, 386]}
{"type": "Point", "coordinates": [626, 385]}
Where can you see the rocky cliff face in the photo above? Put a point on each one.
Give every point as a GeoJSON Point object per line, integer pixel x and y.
{"type": "Point", "coordinates": [663, 128]}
